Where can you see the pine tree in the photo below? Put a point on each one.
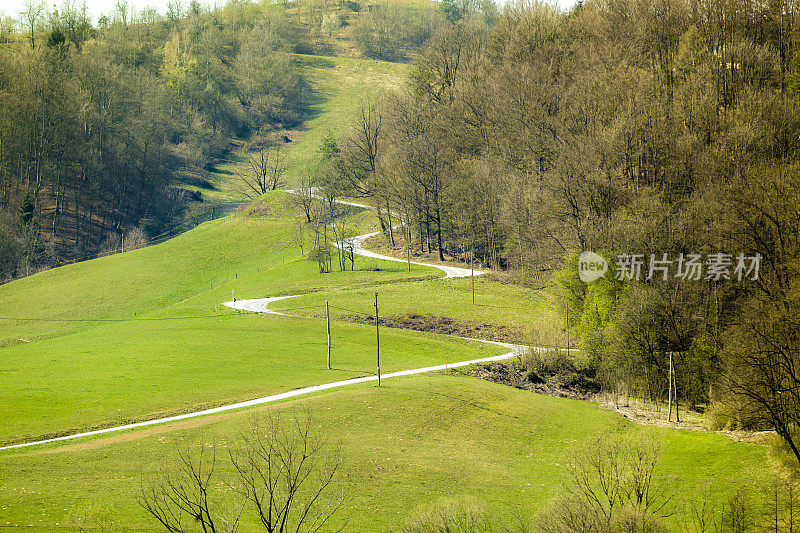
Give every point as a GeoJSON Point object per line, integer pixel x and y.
{"type": "Point", "coordinates": [26, 209]}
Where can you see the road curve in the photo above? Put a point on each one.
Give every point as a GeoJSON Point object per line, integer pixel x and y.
{"type": "Point", "coordinates": [449, 271]}
{"type": "Point", "coordinates": [260, 305]}
{"type": "Point", "coordinates": [357, 245]}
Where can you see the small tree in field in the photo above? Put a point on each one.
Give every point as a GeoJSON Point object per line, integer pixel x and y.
{"type": "Point", "coordinates": [280, 471]}
{"type": "Point", "coordinates": [611, 487]}
{"type": "Point", "coordinates": [265, 171]}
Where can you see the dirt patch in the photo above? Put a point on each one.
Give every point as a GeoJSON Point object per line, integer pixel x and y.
{"type": "Point", "coordinates": [573, 386]}
{"type": "Point", "coordinates": [443, 325]}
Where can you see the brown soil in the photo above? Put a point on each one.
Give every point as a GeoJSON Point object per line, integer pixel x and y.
{"type": "Point", "coordinates": [443, 325]}
{"type": "Point", "coordinates": [562, 386]}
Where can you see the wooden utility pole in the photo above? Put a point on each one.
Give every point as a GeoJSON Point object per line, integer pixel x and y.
{"type": "Point", "coordinates": [669, 396]}
{"type": "Point", "coordinates": [472, 273]}
{"type": "Point", "coordinates": [408, 247]}
{"type": "Point", "coordinates": [378, 338]}
{"type": "Point", "coordinates": [675, 393]}
{"type": "Point", "coordinates": [566, 323]}
{"type": "Point", "coordinates": [328, 322]}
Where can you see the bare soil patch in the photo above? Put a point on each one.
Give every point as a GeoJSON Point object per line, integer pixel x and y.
{"type": "Point", "coordinates": [444, 325]}
{"type": "Point", "coordinates": [572, 385]}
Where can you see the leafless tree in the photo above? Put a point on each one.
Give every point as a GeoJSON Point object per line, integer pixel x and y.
{"type": "Point", "coordinates": [265, 171]}
{"type": "Point", "coordinates": [281, 471]}
{"type": "Point", "coordinates": [31, 13]}
{"type": "Point", "coordinates": [359, 155]}
{"type": "Point", "coordinates": [183, 499]}
{"type": "Point", "coordinates": [304, 197]}
{"type": "Point", "coordinates": [611, 484]}
{"type": "Point", "coordinates": [299, 228]}
{"type": "Point", "coordinates": [320, 216]}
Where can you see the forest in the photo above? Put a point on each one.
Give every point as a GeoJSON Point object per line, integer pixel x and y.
{"type": "Point", "coordinates": [653, 129]}
{"type": "Point", "coordinates": [103, 126]}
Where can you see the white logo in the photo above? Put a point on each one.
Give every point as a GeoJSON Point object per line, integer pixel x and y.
{"type": "Point", "coordinates": [591, 266]}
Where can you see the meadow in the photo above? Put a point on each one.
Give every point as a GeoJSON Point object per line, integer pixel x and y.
{"type": "Point", "coordinates": [410, 445]}
{"type": "Point", "coordinates": [340, 86]}
{"type": "Point", "coordinates": [144, 334]}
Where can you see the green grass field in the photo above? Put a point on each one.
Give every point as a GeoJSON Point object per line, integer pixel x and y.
{"type": "Point", "coordinates": [191, 273]}
{"type": "Point", "coordinates": [140, 370]}
{"type": "Point", "coordinates": [407, 446]}
{"type": "Point", "coordinates": [429, 438]}
{"type": "Point", "coordinates": [143, 334]}
{"type": "Point", "coordinates": [494, 303]}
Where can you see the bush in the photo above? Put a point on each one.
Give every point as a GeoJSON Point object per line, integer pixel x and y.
{"type": "Point", "coordinates": [610, 488]}
{"type": "Point", "coordinates": [136, 238]}
{"type": "Point", "coordinates": [450, 517]}
{"type": "Point", "coordinates": [733, 415]}
{"type": "Point", "coordinates": [547, 362]}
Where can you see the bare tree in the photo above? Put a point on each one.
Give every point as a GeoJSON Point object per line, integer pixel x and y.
{"type": "Point", "coordinates": [611, 483]}
{"type": "Point", "coordinates": [182, 499]}
{"type": "Point", "coordinates": [265, 171]}
{"type": "Point", "coordinates": [320, 223]}
{"type": "Point", "coordinates": [304, 196]}
{"type": "Point", "coordinates": [281, 471]}
{"type": "Point", "coordinates": [31, 13]}
{"type": "Point", "coordinates": [359, 155]}
{"type": "Point", "coordinates": [299, 228]}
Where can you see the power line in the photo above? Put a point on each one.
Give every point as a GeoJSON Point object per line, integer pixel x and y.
{"type": "Point", "coordinates": [349, 310]}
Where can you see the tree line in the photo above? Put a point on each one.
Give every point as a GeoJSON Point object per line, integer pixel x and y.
{"type": "Point", "coordinates": [110, 128]}
{"type": "Point", "coordinates": [656, 129]}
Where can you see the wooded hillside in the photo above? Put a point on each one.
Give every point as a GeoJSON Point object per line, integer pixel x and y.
{"type": "Point", "coordinates": [640, 129]}
{"type": "Point", "coordinates": [102, 127]}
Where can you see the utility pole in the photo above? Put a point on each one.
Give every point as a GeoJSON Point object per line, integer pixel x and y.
{"type": "Point", "coordinates": [328, 320]}
{"type": "Point", "coordinates": [378, 338]}
{"type": "Point", "coordinates": [566, 323]}
{"type": "Point", "coordinates": [675, 392]}
{"type": "Point", "coordinates": [669, 396]}
{"type": "Point", "coordinates": [472, 272]}
{"type": "Point", "coordinates": [233, 297]}
{"type": "Point", "coordinates": [408, 247]}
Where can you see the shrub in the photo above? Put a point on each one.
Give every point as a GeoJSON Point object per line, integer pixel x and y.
{"type": "Point", "coordinates": [450, 517]}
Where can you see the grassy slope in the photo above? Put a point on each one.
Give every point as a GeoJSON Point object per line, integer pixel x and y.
{"type": "Point", "coordinates": [494, 303]}
{"type": "Point", "coordinates": [184, 350]}
{"type": "Point", "coordinates": [408, 445]}
{"type": "Point", "coordinates": [257, 257]}
{"type": "Point", "coordinates": [340, 85]}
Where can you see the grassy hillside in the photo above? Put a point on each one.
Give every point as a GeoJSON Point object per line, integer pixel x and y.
{"type": "Point", "coordinates": [409, 445]}
{"type": "Point", "coordinates": [142, 334]}
{"type": "Point", "coordinates": [256, 255]}
{"type": "Point", "coordinates": [340, 85]}
{"type": "Point", "coordinates": [495, 303]}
